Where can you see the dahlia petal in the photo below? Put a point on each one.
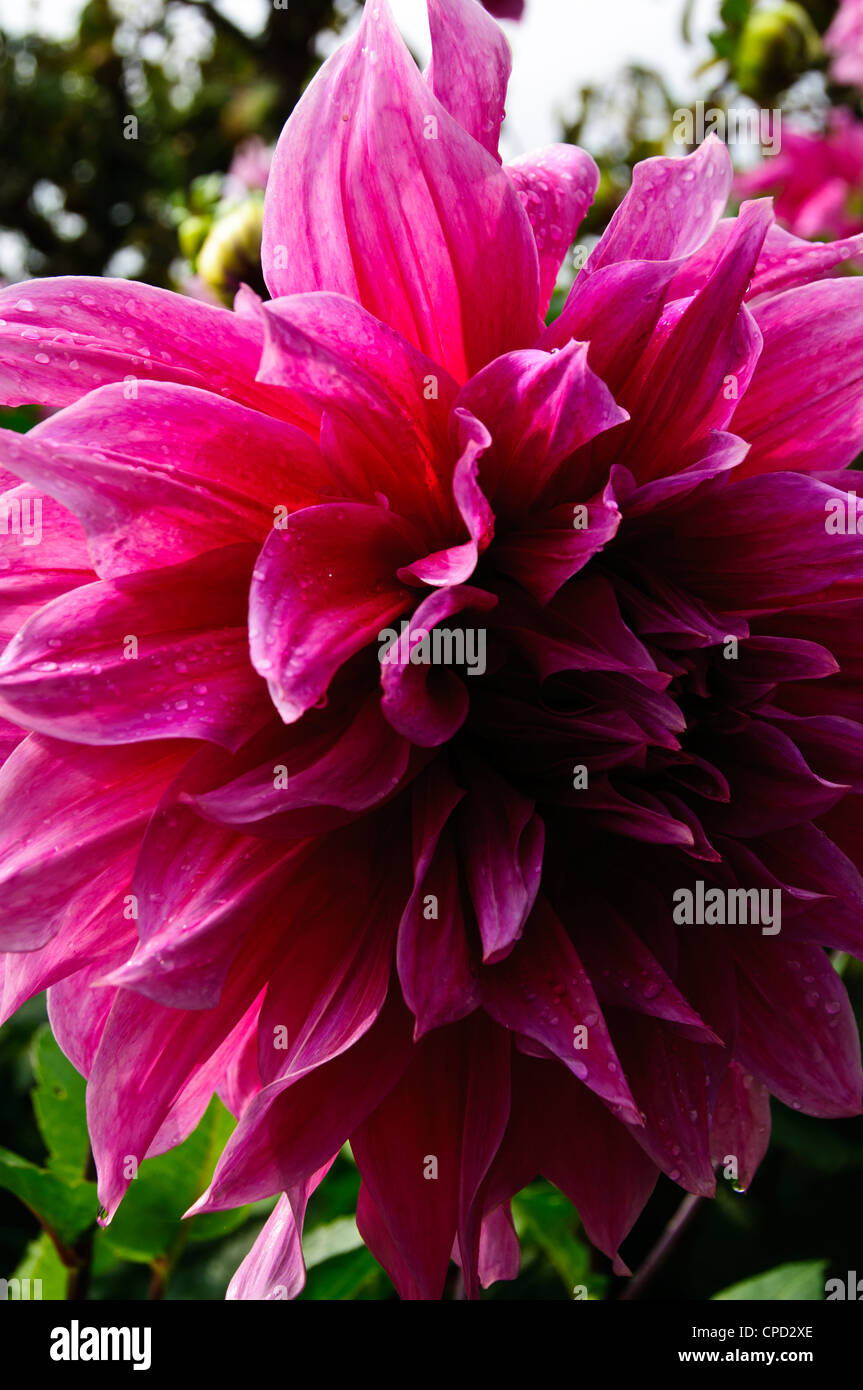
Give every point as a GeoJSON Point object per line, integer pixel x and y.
{"type": "Point", "coordinates": [671, 208]}
{"type": "Point", "coordinates": [457, 563]}
{"type": "Point", "coordinates": [354, 767]}
{"type": "Point", "coordinates": [10, 737]}
{"type": "Point", "coordinates": [551, 548]}
{"type": "Point", "coordinates": [441, 1111]}
{"type": "Point", "coordinates": [274, 1267]}
{"type": "Point", "coordinates": [797, 1028]}
{"type": "Point", "coordinates": [637, 819]}
{"type": "Point", "coordinates": [470, 67]}
{"type": "Point", "coordinates": [35, 571]}
{"type": "Point", "coordinates": [557, 186]}
{"type": "Point", "coordinates": [387, 402]}
{"type": "Point", "coordinates": [832, 746]}
{"type": "Point", "coordinates": [786, 261]}
{"type": "Point", "coordinates": [292, 1127]}
{"type": "Point", "coordinates": [151, 1059]}
{"type": "Point", "coordinates": [501, 849]}
{"type": "Point", "coordinates": [436, 971]}
{"type": "Point", "coordinates": [668, 1081]}
{"type": "Point", "coordinates": [379, 1239]}
{"type": "Point", "coordinates": [200, 891]}
{"type": "Point", "coordinates": [705, 974]}
{"type": "Point", "coordinates": [399, 208]}
{"type": "Point", "coordinates": [71, 816]}
{"type": "Point", "coordinates": [321, 591]}
{"type": "Point", "coordinates": [505, 9]}
{"type": "Point", "coordinates": [189, 1105]}
{"type": "Point", "coordinates": [594, 1162]}
{"type": "Point", "coordinates": [486, 1103]}
{"type": "Point", "coordinates": [721, 453]}
{"type": "Point", "coordinates": [662, 611]}
{"type": "Point", "coordinates": [70, 669]}
{"type": "Point", "coordinates": [561, 1130]}
{"type": "Point", "coordinates": [744, 563]}
{"type": "Point", "coordinates": [768, 660]}
{"type": "Point", "coordinates": [539, 408]}
{"type": "Point", "coordinates": [63, 337]}
{"type": "Point", "coordinates": [543, 991]}
{"type": "Point", "coordinates": [802, 409]}
{"type": "Point", "coordinates": [241, 1080]}
{"type": "Point", "coordinates": [716, 337]}
{"type": "Point", "coordinates": [145, 504]}
{"type": "Point", "coordinates": [806, 856]}
{"type": "Point", "coordinates": [78, 1009]}
{"type": "Point", "coordinates": [94, 931]}
{"type": "Point", "coordinates": [627, 974]}
{"type": "Point", "coordinates": [425, 703]}
{"type": "Point", "coordinates": [615, 310]}
{"type": "Point", "coordinates": [740, 1128]}
{"type": "Point", "coordinates": [772, 786]}
{"type": "Point", "coordinates": [581, 630]}
{"type": "Point", "coordinates": [335, 963]}
{"type": "Point", "coordinates": [499, 1250]}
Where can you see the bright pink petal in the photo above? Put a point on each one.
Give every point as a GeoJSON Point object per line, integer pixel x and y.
{"type": "Point", "coordinates": [557, 186]}
{"type": "Point", "coordinates": [428, 703]}
{"type": "Point", "coordinates": [144, 502]}
{"type": "Point", "coordinates": [543, 991]}
{"type": "Point", "coordinates": [71, 669]}
{"type": "Point", "coordinates": [470, 67]}
{"type": "Point", "coordinates": [378, 194]}
{"type": "Point", "coordinates": [61, 338]}
{"type": "Point", "coordinates": [72, 822]}
{"type": "Point", "coordinates": [321, 591]}
{"type": "Point", "coordinates": [803, 406]}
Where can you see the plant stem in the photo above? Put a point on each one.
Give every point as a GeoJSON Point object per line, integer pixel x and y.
{"type": "Point", "coordinates": [663, 1247]}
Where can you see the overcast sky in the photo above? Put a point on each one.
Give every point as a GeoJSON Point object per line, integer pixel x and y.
{"type": "Point", "coordinates": [560, 45]}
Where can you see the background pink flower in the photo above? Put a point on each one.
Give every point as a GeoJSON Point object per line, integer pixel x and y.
{"type": "Point", "coordinates": [816, 180]}
{"type": "Point", "coordinates": [844, 42]}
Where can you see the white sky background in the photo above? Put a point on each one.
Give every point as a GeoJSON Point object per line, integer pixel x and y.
{"type": "Point", "coordinates": [558, 46]}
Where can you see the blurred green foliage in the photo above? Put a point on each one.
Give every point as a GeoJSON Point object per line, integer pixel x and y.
{"type": "Point", "coordinates": [86, 181]}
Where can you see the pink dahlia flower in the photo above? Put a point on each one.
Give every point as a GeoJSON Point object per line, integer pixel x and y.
{"type": "Point", "coordinates": [817, 180]}
{"type": "Point", "coordinates": [431, 906]}
{"type": "Point", "coordinates": [844, 42]}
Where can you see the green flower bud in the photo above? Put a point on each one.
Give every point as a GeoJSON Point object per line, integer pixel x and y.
{"type": "Point", "coordinates": [191, 234]}
{"type": "Point", "coordinates": [775, 47]}
{"type": "Point", "coordinates": [232, 251]}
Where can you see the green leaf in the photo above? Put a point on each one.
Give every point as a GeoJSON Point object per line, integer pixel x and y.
{"type": "Point", "coordinates": [803, 1281]}
{"type": "Point", "coordinates": [354, 1275]}
{"type": "Point", "coordinates": [41, 1262]}
{"type": "Point", "coordinates": [548, 1219]}
{"type": "Point", "coordinates": [66, 1207]}
{"type": "Point", "coordinates": [58, 1100]}
{"type": "Point", "coordinates": [336, 1238]}
{"type": "Point", "coordinates": [148, 1224]}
